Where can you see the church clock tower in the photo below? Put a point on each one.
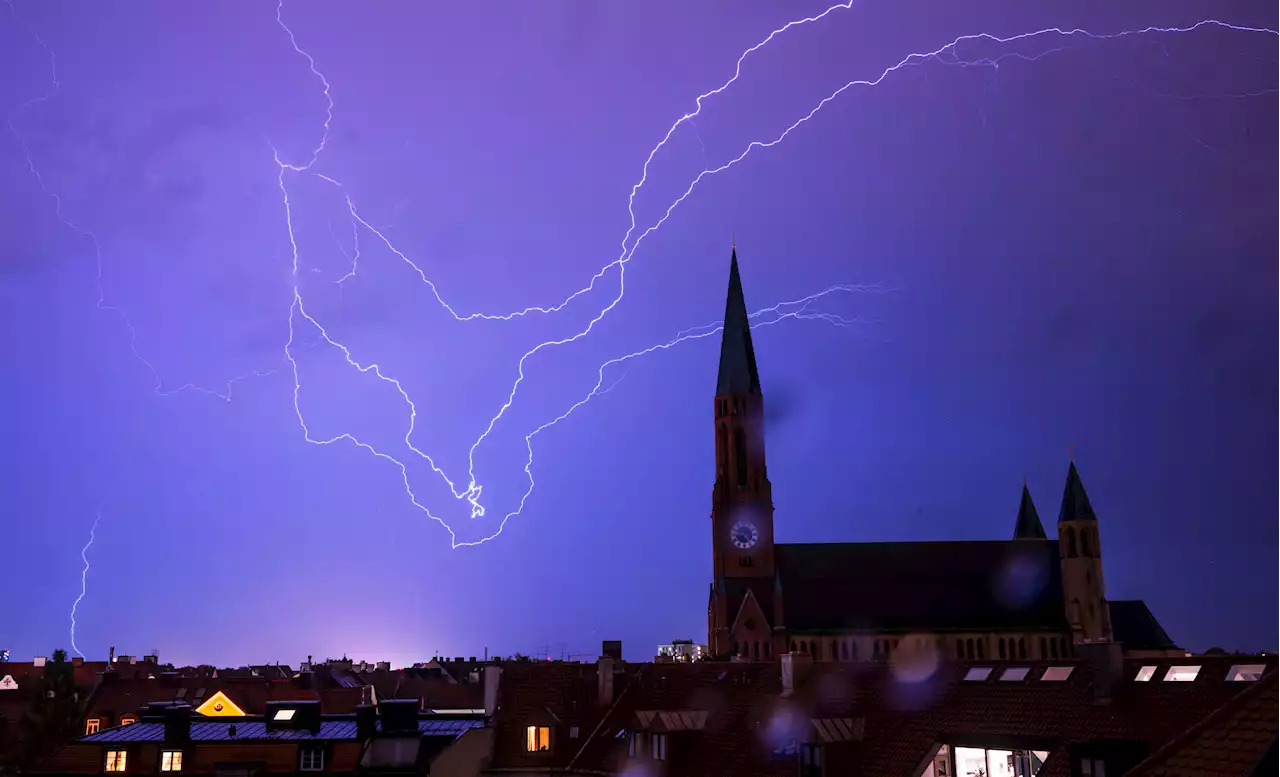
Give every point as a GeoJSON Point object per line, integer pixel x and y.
{"type": "Point", "coordinates": [742, 500]}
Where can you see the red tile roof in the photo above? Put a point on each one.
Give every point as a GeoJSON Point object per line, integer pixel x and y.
{"type": "Point", "coordinates": [900, 720]}
{"type": "Point", "coordinates": [1229, 743]}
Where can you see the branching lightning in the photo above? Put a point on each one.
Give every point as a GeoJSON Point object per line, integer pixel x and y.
{"type": "Point", "coordinates": [84, 581]}
{"type": "Point", "coordinates": [952, 53]}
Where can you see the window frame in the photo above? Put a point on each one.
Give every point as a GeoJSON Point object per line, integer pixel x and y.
{"type": "Point", "coordinates": [315, 753]}
{"type": "Point", "coordinates": [117, 765]}
{"type": "Point", "coordinates": [810, 759]}
{"type": "Point", "coordinates": [529, 738]}
{"type": "Point", "coordinates": [92, 726]}
{"type": "Point", "coordinates": [167, 759]}
{"type": "Point", "coordinates": [658, 746]}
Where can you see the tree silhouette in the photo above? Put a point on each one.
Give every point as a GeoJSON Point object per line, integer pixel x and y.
{"type": "Point", "coordinates": [54, 717]}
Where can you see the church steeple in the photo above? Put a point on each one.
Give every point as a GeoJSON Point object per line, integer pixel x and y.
{"type": "Point", "coordinates": [1075, 503]}
{"type": "Point", "coordinates": [738, 374]}
{"type": "Point", "coordinates": [1028, 526]}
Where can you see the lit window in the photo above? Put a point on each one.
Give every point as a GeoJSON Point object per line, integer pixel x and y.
{"type": "Point", "coordinates": [1056, 674]}
{"type": "Point", "coordinates": [977, 674]}
{"type": "Point", "coordinates": [1145, 674]}
{"type": "Point", "coordinates": [1181, 674]}
{"type": "Point", "coordinates": [91, 726]}
{"type": "Point", "coordinates": [311, 760]}
{"type": "Point", "coordinates": [116, 760]}
{"type": "Point", "coordinates": [127, 720]}
{"type": "Point", "coordinates": [1015, 674]}
{"type": "Point", "coordinates": [537, 739]}
{"type": "Point", "coordinates": [1245, 673]}
{"type": "Point", "coordinates": [171, 761]}
{"type": "Point", "coordinates": [284, 714]}
{"type": "Point", "coordinates": [658, 746]}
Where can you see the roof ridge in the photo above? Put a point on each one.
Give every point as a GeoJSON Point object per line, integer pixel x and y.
{"type": "Point", "coordinates": [1264, 683]}
{"type": "Point", "coordinates": [605, 717]}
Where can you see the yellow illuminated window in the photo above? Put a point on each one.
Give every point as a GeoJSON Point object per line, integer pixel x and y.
{"type": "Point", "coordinates": [537, 739]}
{"type": "Point", "coordinates": [171, 761]}
{"type": "Point", "coordinates": [127, 719]}
{"type": "Point", "coordinates": [116, 760]}
{"type": "Point", "coordinates": [91, 726]}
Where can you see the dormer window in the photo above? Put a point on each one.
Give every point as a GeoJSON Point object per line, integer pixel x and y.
{"type": "Point", "coordinates": [127, 720]}
{"type": "Point", "coordinates": [810, 760]}
{"type": "Point", "coordinates": [537, 739]}
{"type": "Point", "coordinates": [658, 746]}
{"type": "Point", "coordinates": [91, 726]}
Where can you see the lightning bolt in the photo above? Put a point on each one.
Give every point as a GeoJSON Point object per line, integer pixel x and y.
{"type": "Point", "coordinates": [951, 54]}
{"type": "Point", "coordinates": [84, 581]}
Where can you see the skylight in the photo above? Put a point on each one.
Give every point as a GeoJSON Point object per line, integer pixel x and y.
{"type": "Point", "coordinates": [1145, 674]}
{"type": "Point", "coordinates": [1181, 674]}
{"type": "Point", "coordinates": [977, 674]}
{"type": "Point", "coordinates": [1056, 674]}
{"type": "Point", "coordinates": [1245, 673]}
{"type": "Point", "coordinates": [284, 714]}
{"type": "Point", "coordinates": [1015, 674]}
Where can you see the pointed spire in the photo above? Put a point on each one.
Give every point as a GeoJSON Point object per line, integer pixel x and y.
{"type": "Point", "coordinates": [1028, 526]}
{"type": "Point", "coordinates": [738, 373]}
{"type": "Point", "coordinates": [1075, 503]}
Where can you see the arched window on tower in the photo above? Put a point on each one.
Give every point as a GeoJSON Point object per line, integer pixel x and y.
{"type": "Point", "coordinates": [959, 648]}
{"type": "Point", "coordinates": [1053, 647]}
{"type": "Point", "coordinates": [1086, 547]}
{"type": "Point", "coordinates": [982, 649]}
{"type": "Point", "coordinates": [722, 449]}
{"type": "Point", "coordinates": [1022, 648]}
{"type": "Point", "coordinates": [740, 455]}
{"type": "Point", "coordinates": [1044, 648]}
{"type": "Point", "coordinates": [813, 649]}
{"type": "Point", "coordinates": [968, 648]}
{"type": "Point", "coordinates": [1002, 647]}
{"type": "Point", "coordinates": [755, 651]}
{"type": "Point", "coordinates": [1071, 542]}
{"type": "Point", "coordinates": [793, 646]}
{"type": "Point", "coordinates": [844, 650]}
{"type": "Point", "coordinates": [766, 650]}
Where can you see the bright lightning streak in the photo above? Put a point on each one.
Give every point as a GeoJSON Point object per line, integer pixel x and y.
{"type": "Point", "coordinates": [473, 490]}
{"type": "Point", "coordinates": [84, 581]}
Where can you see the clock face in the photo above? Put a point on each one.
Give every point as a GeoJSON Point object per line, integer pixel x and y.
{"type": "Point", "coordinates": [744, 535]}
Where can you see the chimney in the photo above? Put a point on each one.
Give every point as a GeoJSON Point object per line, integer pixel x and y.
{"type": "Point", "coordinates": [795, 668]}
{"type": "Point", "coordinates": [39, 661]}
{"type": "Point", "coordinates": [366, 721]}
{"type": "Point", "coordinates": [1106, 659]}
{"type": "Point", "coordinates": [77, 661]}
{"type": "Point", "coordinates": [111, 655]}
{"type": "Point", "coordinates": [177, 724]}
{"type": "Point", "coordinates": [384, 666]}
{"type": "Point", "coordinates": [399, 714]}
{"type": "Point", "coordinates": [492, 675]}
{"type": "Point", "coordinates": [611, 648]}
{"type": "Point", "coordinates": [604, 680]}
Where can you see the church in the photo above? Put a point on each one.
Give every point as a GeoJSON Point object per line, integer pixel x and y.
{"type": "Point", "coordinates": [1026, 598]}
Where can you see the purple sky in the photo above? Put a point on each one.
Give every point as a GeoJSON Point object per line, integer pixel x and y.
{"type": "Point", "coordinates": [1077, 249]}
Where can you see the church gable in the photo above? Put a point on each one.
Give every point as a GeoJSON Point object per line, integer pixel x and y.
{"type": "Point", "coordinates": [751, 632]}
